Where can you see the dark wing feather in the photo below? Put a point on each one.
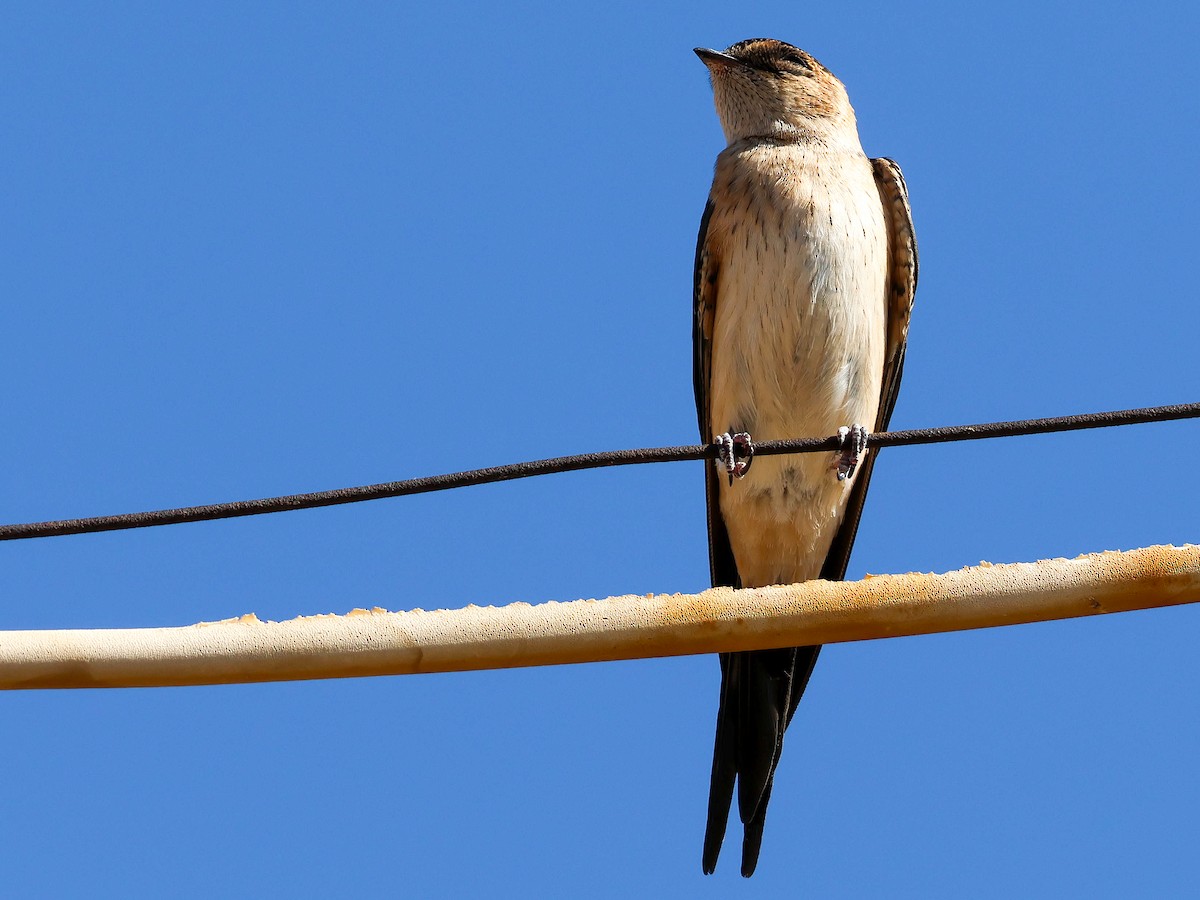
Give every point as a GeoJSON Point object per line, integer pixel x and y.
{"type": "Point", "coordinates": [760, 690]}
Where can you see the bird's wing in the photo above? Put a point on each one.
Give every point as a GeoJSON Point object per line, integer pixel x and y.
{"type": "Point", "coordinates": [901, 289]}
{"type": "Point", "coordinates": [760, 690]}
{"type": "Point", "coordinates": [704, 295]}
{"type": "Point", "coordinates": [757, 689]}
{"type": "Point", "coordinates": [721, 563]}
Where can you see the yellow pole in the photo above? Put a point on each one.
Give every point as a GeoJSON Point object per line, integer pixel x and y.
{"type": "Point", "coordinates": [378, 642]}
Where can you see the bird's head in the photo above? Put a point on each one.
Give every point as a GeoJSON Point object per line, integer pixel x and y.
{"type": "Point", "coordinates": [766, 88]}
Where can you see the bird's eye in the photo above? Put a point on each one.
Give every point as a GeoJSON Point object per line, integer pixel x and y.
{"type": "Point", "coordinates": [795, 60]}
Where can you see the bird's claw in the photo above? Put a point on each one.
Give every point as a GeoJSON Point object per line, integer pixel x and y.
{"type": "Point", "coordinates": [854, 443]}
{"type": "Point", "coordinates": [735, 454]}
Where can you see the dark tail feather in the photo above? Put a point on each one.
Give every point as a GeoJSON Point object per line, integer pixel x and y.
{"type": "Point", "coordinates": [806, 661]}
{"type": "Point", "coordinates": [753, 833]}
{"type": "Point", "coordinates": [724, 767]}
{"type": "Point", "coordinates": [759, 694]}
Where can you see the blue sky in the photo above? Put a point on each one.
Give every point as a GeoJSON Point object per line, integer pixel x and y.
{"type": "Point", "coordinates": [260, 250]}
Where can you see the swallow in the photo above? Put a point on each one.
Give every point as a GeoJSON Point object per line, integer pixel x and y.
{"type": "Point", "coordinates": [806, 270]}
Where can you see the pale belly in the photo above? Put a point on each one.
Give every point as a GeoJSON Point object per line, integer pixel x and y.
{"type": "Point", "coordinates": [797, 351]}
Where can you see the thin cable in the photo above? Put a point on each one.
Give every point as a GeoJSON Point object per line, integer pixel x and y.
{"type": "Point", "coordinates": [585, 461]}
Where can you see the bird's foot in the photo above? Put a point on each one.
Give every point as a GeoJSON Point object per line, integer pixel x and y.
{"type": "Point", "coordinates": [854, 443]}
{"type": "Point", "coordinates": [736, 453]}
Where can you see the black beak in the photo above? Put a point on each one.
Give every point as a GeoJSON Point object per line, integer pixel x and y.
{"type": "Point", "coordinates": [715, 58]}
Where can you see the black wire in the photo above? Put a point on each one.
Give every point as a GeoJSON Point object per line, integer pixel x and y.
{"type": "Point", "coordinates": [585, 461]}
